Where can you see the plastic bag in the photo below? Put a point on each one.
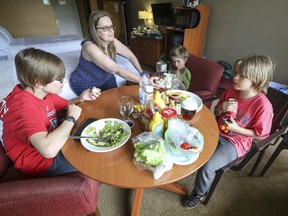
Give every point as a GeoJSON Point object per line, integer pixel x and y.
{"type": "Point", "coordinates": [151, 154]}
{"type": "Point", "coordinates": [180, 132]}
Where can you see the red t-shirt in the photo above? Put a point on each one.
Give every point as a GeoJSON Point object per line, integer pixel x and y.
{"type": "Point", "coordinates": [22, 115]}
{"type": "Point", "coordinates": [255, 113]}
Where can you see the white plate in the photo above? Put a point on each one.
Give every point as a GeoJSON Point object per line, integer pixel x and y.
{"type": "Point", "coordinates": [184, 161]}
{"type": "Point", "coordinates": [99, 124]}
{"type": "Point", "coordinates": [190, 94]}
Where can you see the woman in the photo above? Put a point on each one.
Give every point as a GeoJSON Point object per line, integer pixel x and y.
{"type": "Point", "coordinates": [97, 65]}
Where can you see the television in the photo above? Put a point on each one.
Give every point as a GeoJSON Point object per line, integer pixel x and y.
{"type": "Point", "coordinates": [163, 14]}
{"type": "Point", "coordinates": [187, 19]}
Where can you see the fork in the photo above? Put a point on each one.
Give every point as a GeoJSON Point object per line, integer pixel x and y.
{"type": "Point", "coordinates": [100, 139]}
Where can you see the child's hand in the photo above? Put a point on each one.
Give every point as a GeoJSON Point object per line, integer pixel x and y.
{"type": "Point", "coordinates": [74, 110]}
{"type": "Point", "coordinates": [227, 105]}
{"type": "Point", "coordinates": [231, 125]}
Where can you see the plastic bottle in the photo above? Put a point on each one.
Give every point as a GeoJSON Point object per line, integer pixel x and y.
{"type": "Point", "coordinates": [147, 109]}
{"type": "Point", "coordinates": [143, 82]}
{"type": "Point", "coordinates": [158, 101]}
{"type": "Point", "coordinates": [157, 124]}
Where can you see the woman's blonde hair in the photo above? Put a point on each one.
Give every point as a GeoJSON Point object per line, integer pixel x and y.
{"type": "Point", "coordinates": [93, 34]}
{"type": "Point", "coordinates": [257, 68]}
{"type": "Point", "coordinates": [35, 65]}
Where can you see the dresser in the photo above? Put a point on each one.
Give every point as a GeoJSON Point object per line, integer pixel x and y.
{"type": "Point", "coordinates": [147, 49]}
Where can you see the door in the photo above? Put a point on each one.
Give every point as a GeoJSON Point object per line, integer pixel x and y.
{"type": "Point", "coordinates": [117, 11]}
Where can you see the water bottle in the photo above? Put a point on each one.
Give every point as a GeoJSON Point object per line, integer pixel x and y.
{"type": "Point", "coordinates": [143, 82]}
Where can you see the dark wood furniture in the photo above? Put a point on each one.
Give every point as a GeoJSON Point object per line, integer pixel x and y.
{"type": "Point", "coordinates": [193, 38]}
{"type": "Point", "coordinates": [116, 168]}
{"type": "Point", "coordinates": [146, 49]}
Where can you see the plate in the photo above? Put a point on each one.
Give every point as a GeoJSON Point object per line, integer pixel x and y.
{"type": "Point", "coordinates": [184, 161]}
{"type": "Point", "coordinates": [189, 94]}
{"type": "Point", "coordinates": [180, 156]}
{"type": "Point", "coordinates": [99, 124]}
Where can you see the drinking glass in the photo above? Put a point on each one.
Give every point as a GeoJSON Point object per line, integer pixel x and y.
{"type": "Point", "coordinates": [176, 81]}
{"type": "Point", "coordinates": [126, 109]}
{"type": "Point", "coordinates": [188, 109]}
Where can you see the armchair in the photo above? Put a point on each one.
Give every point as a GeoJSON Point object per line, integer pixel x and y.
{"type": "Point", "coordinates": [279, 101]}
{"type": "Point", "coordinates": [205, 77]}
{"type": "Point", "coordinates": [69, 194]}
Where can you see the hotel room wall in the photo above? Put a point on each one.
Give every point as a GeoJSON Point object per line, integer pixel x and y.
{"type": "Point", "coordinates": [29, 18]}
{"type": "Point", "coordinates": [237, 28]}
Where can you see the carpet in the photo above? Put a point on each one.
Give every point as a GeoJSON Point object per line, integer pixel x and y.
{"type": "Point", "coordinates": [237, 194]}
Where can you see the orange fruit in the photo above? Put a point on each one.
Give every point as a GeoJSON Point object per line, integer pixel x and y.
{"type": "Point", "coordinates": [222, 127]}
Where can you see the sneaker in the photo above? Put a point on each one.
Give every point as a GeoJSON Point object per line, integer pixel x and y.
{"type": "Point", "coordinates": [191, 201]}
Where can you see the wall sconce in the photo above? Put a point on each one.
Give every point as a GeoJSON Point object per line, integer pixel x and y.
{"type": "Point", "coordinates": [146, 15]}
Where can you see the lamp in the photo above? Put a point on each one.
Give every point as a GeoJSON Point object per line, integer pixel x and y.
{"type": "Point", "coordinates": [146, 15]}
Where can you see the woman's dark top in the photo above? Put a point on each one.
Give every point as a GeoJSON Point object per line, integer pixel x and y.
{"type": "Point", "coordinates": [88, 74]}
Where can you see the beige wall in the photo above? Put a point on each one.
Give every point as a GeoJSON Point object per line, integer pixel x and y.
{"type": "Point", "coordinates": [27, 18]}
{"type": "Point", "coordinates": [237, 28]}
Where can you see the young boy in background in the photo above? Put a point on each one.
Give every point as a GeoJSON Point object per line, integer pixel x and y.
{"type": "Point", "coordinates": [178, 56]}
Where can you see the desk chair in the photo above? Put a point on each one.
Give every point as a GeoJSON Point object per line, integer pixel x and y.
{"type": "Point", "coordinates": [279, 101]}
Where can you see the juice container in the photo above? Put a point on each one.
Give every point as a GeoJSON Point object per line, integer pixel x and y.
{"type": "Point", "coordinates": [233, 111]}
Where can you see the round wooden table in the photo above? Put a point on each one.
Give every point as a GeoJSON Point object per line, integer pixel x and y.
{"type": "Point", "coordinates": [117, 168]}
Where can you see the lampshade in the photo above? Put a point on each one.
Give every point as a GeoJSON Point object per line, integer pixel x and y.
{"type": "Point", "coordinates": [145, 15]}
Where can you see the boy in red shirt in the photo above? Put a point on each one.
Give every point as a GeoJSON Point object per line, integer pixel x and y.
{"type": "Point", "coordinates": [28, 121]}
{"type": "Point", "coordinates": [253, 120]}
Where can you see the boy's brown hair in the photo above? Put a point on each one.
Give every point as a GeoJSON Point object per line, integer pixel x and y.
{"type": "Point", "coordinates": [179, 51]}
{"type": "Point", "coordinates": [257, 68]}
{"type": "Point", "coordinates": [35, 65]}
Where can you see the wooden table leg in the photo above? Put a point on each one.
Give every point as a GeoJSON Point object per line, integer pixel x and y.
{"type": "Point", "coordinates": [174, 187]}
{"type": "Point", "coordinates": [137, 201]}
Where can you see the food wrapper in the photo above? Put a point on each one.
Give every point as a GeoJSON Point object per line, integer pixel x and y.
{"type": "Point", "coordinates": [151, 154]}
{"type": "Point", "coordinates": [180, 132]}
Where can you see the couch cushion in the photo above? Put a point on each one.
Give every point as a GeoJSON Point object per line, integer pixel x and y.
{"type": "Point", "coordinates": [4, 160]}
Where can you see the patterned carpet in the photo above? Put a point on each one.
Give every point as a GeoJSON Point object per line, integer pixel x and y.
{"type": "Point", "coordinates": [237, 194]}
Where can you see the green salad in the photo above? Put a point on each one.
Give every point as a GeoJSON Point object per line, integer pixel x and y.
{"type": "Point", "coordinates": [150, 153]}
{"type": "Point", "coordinates": [113, 130]}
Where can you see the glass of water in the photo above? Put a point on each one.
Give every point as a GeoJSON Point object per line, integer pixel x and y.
{"type": "Point", "coordinates": [126, 109]}
{"type": "Point", "coordinates": [176, 81]}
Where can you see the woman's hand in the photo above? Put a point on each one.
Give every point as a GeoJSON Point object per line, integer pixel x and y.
{"type": "Point", "coordinates": [90, 94]}
{"type": "Point", "coordinates": [153, 79]}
